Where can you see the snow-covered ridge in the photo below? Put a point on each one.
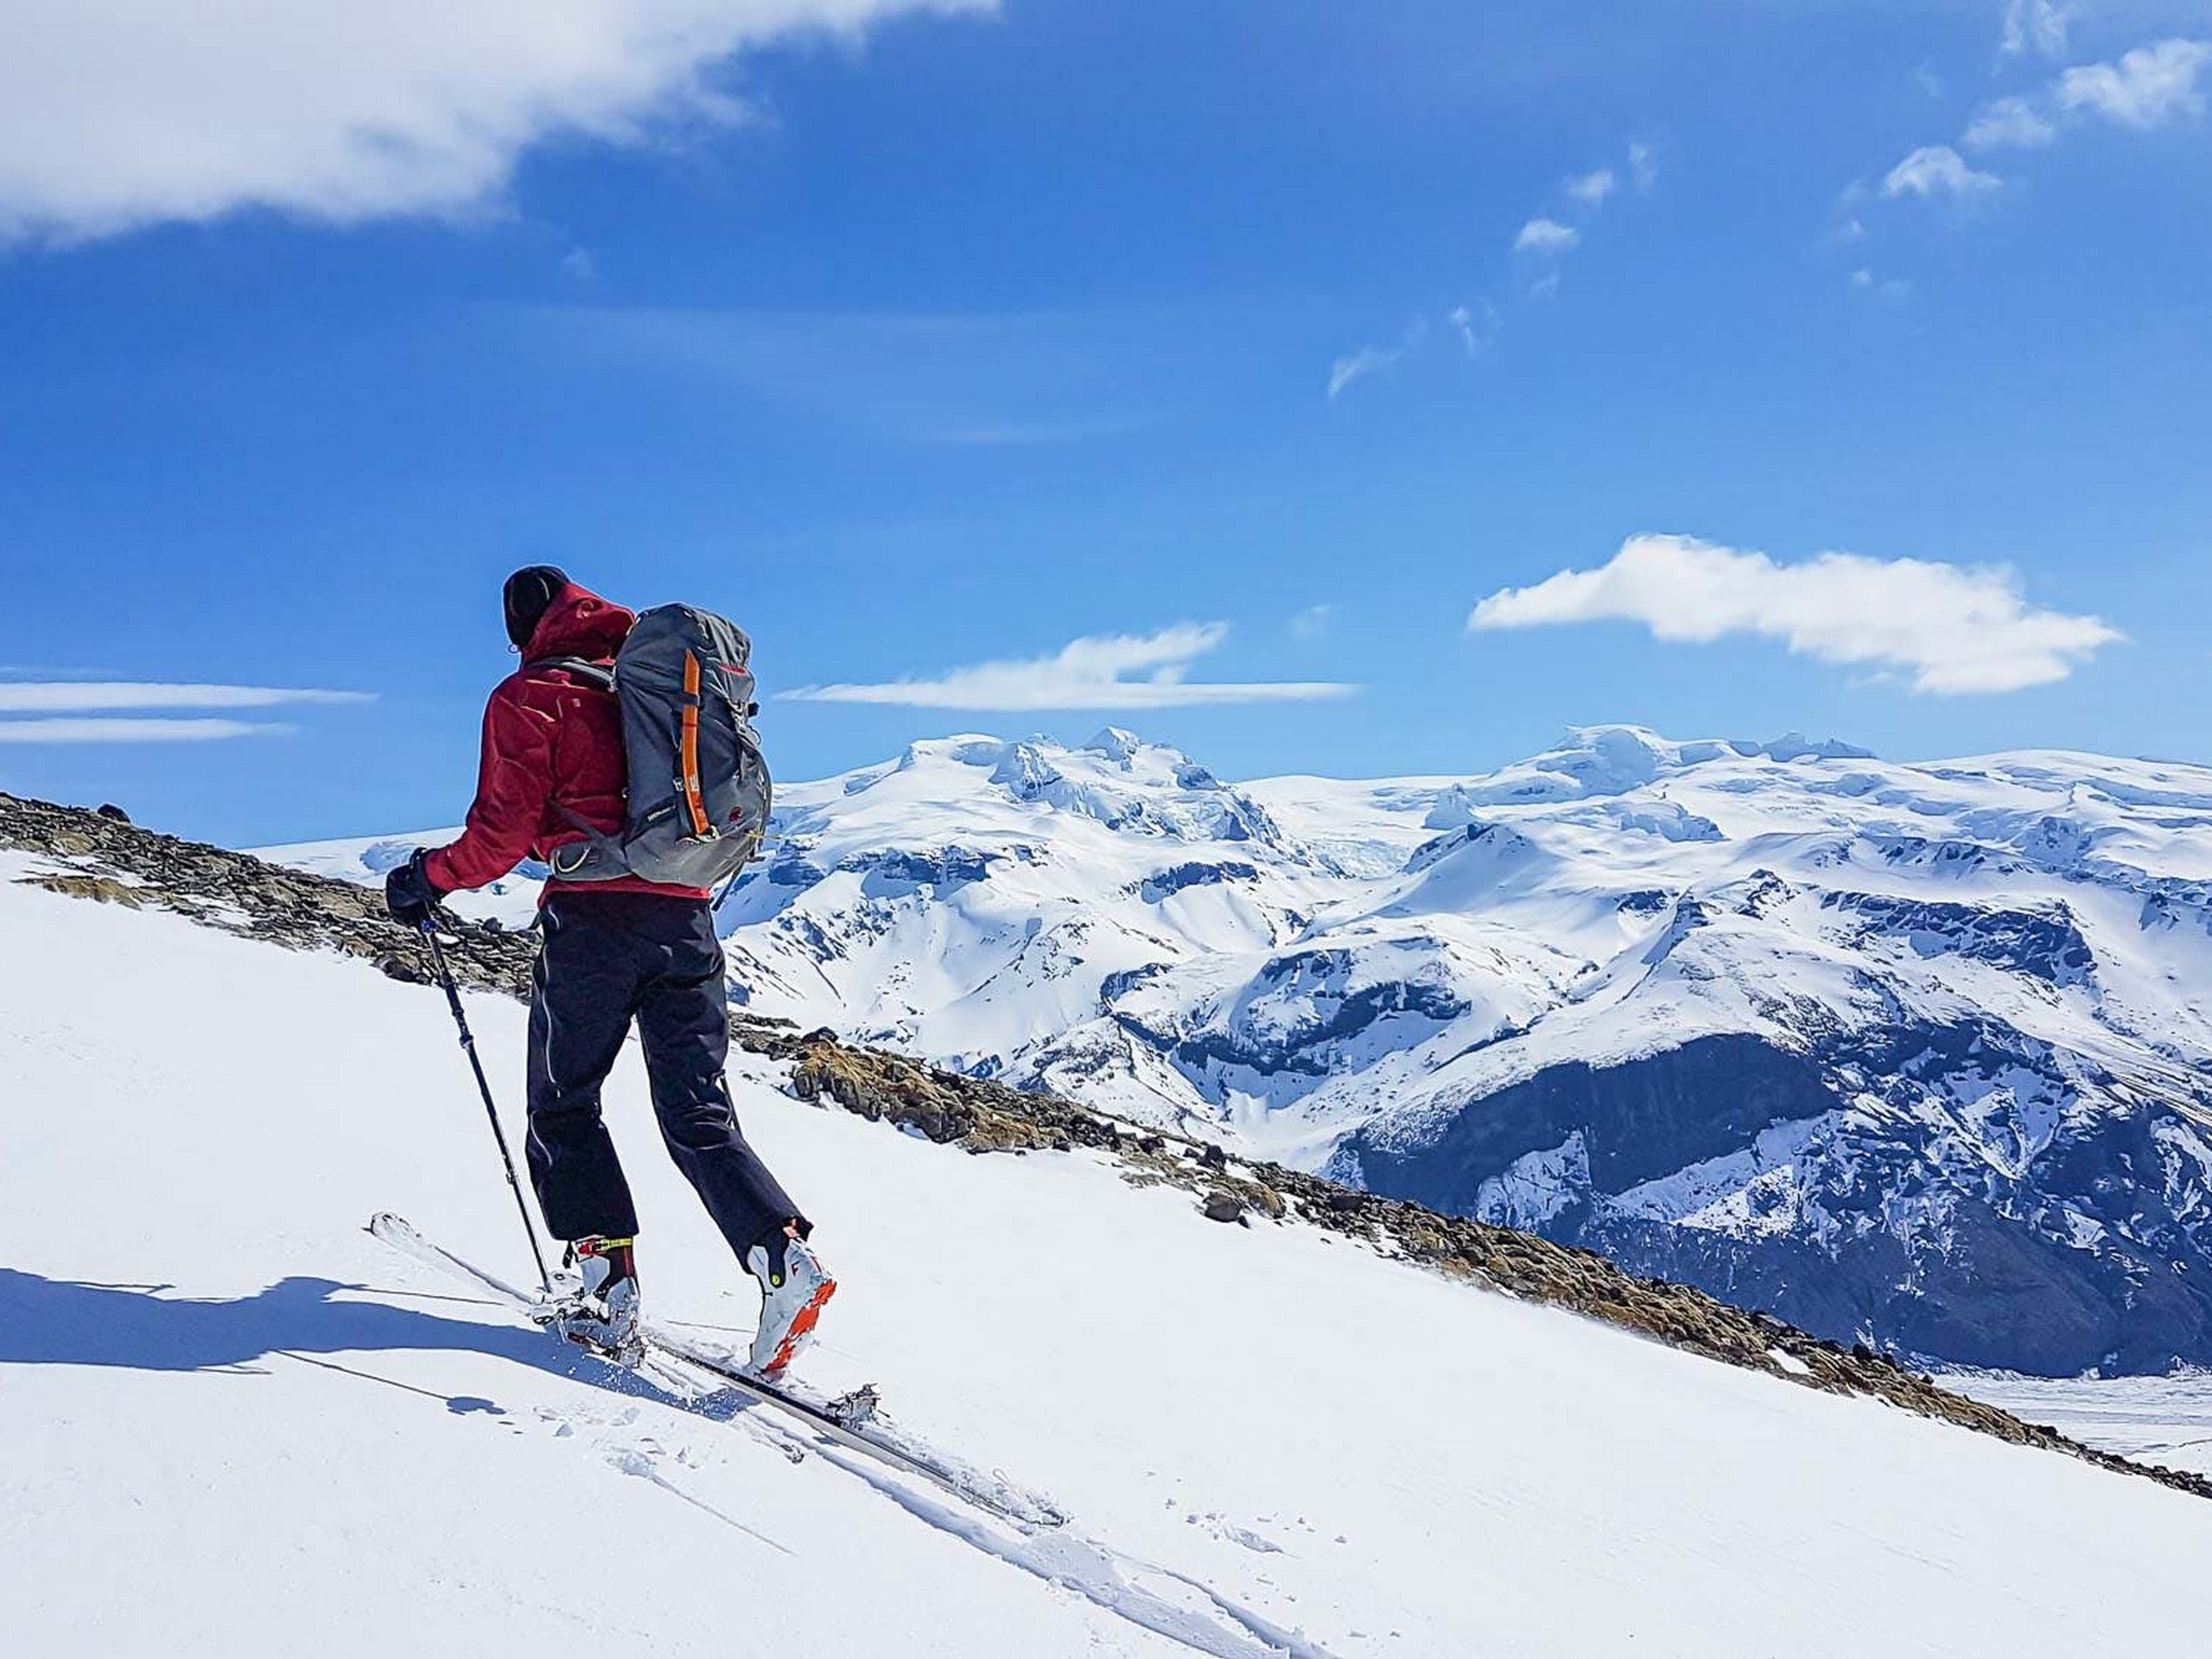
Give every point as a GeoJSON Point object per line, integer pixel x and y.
{"type": "Point", "coordinates": [1810, 1029]}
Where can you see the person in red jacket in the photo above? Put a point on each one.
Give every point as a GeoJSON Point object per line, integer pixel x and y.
{"type": "Point", "coordinates": [613, 951]}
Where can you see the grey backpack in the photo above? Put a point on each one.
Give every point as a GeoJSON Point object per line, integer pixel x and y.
{"type": "Point", "coordinates": [699, 791]}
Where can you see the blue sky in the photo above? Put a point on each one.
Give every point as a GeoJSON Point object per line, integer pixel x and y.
{"type": "Point", "coordinates": [956, 336]}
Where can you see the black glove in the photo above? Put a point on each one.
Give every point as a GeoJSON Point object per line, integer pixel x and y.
{"type": "Point", "coordinates": [408, 892]}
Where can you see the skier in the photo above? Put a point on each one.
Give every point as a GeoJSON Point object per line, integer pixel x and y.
{"type": "Point", "coordinates": [614, 950]}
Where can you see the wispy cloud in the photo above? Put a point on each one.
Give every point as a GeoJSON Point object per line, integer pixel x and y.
{"type": "Point", "coordinates": [2036, 26]}
{"type": "Point", "coordinates": [1885, 288]}
{"type": "Point", "coordinates": [1130, 672]}
{"type": "Point", "coordinates": [1368, 359]}
{"type": "Point", "coordinates": [1953, 630]}
{"type": "Point", "coordinates": [1546, 236]}
{"type": "Point", "coordinates": [134, 731]}
{"type": "Point", "coordinates": [1593, 188]}
{"type": "Point", "coordinates": [2150, 86]}
{"type": "Point", "coordinates": [40, 697]}
{"type": "Point", "coordinates": [1542, 240]}
{"type": "Point", "coordinates": [1313, 622]}
{"type": "Point", "coordinates": [2009, 123]}
{"type": "Point", "coordinates": [1475, 326]}
{"type": "Point", "coordinates": [121, 114]}
{"type": "Point", "coordinates": [1936, 170]}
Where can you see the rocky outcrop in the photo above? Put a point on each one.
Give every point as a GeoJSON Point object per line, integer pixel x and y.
{"type": "Point", "coordinates": [104, 858]}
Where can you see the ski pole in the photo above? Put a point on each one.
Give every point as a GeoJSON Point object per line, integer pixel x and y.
{"type": "Point", "coordinates": [484, 1088]}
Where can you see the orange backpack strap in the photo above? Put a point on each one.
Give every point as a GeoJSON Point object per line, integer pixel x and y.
{"type": "Point", "coordinates": [695, 798]}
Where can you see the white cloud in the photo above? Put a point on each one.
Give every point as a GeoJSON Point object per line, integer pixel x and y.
{"type": "Point", "coordinates": [132, 731]}
{"type": "Point", "coordinates": [1546, 236]}
{"type": "Point", "coordinates": [1476, 325]}
{"type": "Point", "coordinates": [1642, 166]}
{"type": "Point", "coordinates": [1957, 631]}
{"type": "Point", "coordinates": [1887, 287]}
{"type": "Point", "coordinates": [1936, 170]}
{"type": "Point", "coordinates": [1368, 359]}
{"type": "Point", "coordinates": [2009, 123]}
{"type": "Point", "coordinates": [2037, 26]}
{"type": "Point", "coordinates": [1313, 622]}
{"type": "Point", "coordinates": [129, 112]}
{"type": "Point", "coordinates": [1592, 189]}
{"type": "Point", "coordinates": [2149, 87]}
{"type": "Point", "coordinates": [1090, 673]}
{"type": "Point", "coordinates": [42, 696]}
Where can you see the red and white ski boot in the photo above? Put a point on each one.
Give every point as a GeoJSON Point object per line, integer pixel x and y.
{"type": "Point", "coordinates": [794, 1288]}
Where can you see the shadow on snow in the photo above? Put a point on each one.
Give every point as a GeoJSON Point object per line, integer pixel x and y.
{"type": "Point", "coordinates": [65, 1322]}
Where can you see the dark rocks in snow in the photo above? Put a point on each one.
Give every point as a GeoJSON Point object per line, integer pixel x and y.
{"type": "Point", "coordinates": [2092, 1251]}
{"type": "Point", "coordinates": [1639, 1121]}
{"type": "Point", "coordinates": [1305, 1047]}
{"type": "Point", "coordinates": [1224, 1206]}
{"type": "Point", "coordinates": [1198, 873]}
{"type": "Point", "coordinates": [2048, 946]}
{"type": "Point", "coordinates": [945, 867]}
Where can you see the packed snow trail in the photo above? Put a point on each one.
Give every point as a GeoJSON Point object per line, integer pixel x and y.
{"type": "Point", "coordinates": [237, 1424]}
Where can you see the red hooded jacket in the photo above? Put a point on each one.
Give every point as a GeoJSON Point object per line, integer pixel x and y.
{"type": "Point", "coordinates": [552, 745]}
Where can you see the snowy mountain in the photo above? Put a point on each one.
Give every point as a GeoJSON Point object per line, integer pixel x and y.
{"type": "Point", "coordinates": [238, 1424]}
{"type": "Point", "coordinates": [1910, 1054]}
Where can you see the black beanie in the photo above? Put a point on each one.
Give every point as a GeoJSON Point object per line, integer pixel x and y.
{"type": "Point", "coordinates": [528, 594]}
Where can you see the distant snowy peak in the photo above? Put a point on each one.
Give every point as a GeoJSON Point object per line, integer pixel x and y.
{"type": "Point", "coordinates": [1116, 780]}
{"type": "Point", "coordinates": [1599, 760]}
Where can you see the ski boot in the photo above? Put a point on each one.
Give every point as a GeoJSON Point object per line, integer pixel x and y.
{"type": "Point", "coordinates": [603, 1313]}
{"type": "Point", "coordinates": [794, 1285]}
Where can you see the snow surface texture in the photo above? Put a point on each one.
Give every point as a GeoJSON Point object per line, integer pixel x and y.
{"type": "Point", "coordinates": [236, 1425]}
{"type": "Point", "coordinates": [1912, 1054]}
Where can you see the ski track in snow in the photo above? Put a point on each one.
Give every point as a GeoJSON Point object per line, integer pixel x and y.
{"type": "Point", "coordinates": [1059, 1556]}
{"type": "Point", "coordinates": [1095, 1572]}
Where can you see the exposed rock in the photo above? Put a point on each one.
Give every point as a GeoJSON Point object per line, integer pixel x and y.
{"type": "Point", "coordinates": [103, 888]}
{"type": "Point", "coordinates": [1223, 1206]}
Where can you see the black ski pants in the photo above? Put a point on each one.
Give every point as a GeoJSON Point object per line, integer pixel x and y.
{"type": "Point", "coordinates": [609, 958]}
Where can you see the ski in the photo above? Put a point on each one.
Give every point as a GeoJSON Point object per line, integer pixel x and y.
{"type": "Point", "coordinates": [848, 1421]}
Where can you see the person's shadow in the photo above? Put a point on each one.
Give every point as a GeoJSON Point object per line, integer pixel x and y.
{"type": "Point", "coordinates": [63, 1322]}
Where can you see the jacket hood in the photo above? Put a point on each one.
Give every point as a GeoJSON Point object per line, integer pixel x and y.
{"type": "Point", "coordinates": [579, 623]}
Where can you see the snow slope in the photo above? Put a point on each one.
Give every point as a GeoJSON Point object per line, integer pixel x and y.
{"type": "Point", "coordinates": [1910, 1054]}
{"type": "Point", "coordinates": [237, 1424]}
